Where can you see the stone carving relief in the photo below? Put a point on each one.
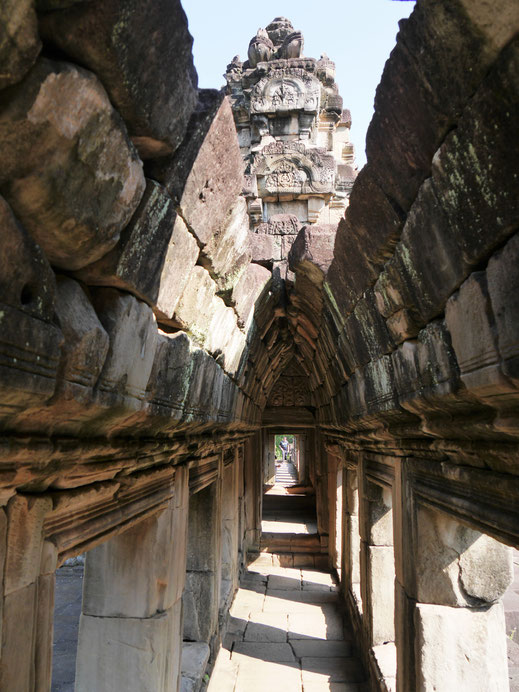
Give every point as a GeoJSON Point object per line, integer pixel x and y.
{"type": "Point", "coordinates": [290, 391]}
{"type": "Point", "coordinates": [280, 224]}
{"type": "Point", "coordinates": [290, 166]}
{"type": "Point", "coordinates": [284, 90]}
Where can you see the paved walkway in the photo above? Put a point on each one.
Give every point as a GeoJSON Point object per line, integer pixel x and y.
{"type": "Point", "coordinates": [286, 634]}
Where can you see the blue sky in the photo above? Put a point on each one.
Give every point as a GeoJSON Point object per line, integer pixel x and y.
{"type": "Point", "coordinates": [357, 35]}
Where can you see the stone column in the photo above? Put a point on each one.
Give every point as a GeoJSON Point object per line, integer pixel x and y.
{"type": "Point", "coordinates": [201, 595]}
{"type": "Point", "coordinates": [377, 560]}
{"type": "Point", "coordinates": [253, 491]}
{"type": "Point", "coordinates": [351, 578]}
{"type": "Point", "coordinates": [27, 567]}
{"type": "Point", "coordinates": [461, 575]}
{"type": "Point", "coordinates": [230, 527]}
{"type": "Point", "coordinates": [130, 633]}
{"type": "Point", "coordinates": [450, 630]}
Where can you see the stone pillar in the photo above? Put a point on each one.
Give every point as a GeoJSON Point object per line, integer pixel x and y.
{"type": "Point", "coordinates": [461, 575]}
{"type": "Point", "coordinates": [450, 621]}
{"type": "Point", "coordinates": [253, 491]}
{"type": "Point", "coordinates": [351, 578]}
{"type": "Point", "coordinates": [130, 632]}
{"type": "Point", "coordinates": [201, 595]}
{"type": "Point", "coordinates": [27, 567]}
{"type": "Point", "coordinates": [230, 527]}
{"type": "Point", "coordinates": [377, 560]}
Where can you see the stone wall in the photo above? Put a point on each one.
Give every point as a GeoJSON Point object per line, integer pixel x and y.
{"type": "Point", "coordinates": [412, 368]}
{"type": "Point", "coordinates": [147, 335]}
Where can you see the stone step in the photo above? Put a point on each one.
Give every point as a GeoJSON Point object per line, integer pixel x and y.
{"type": "Point", "coordinates": [290, 559]}
{"type": "Point", "coordinates": [290, 542]}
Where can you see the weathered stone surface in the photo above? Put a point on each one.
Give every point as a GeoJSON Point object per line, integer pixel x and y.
{"type": "Point", "coordinates": [25, 515]}
{"type": "Point", "coordinates": [169, 379]}
{"type": "Point", "coordinates": [132, 330]}
{"type": "Point", "coordinates": [205, 176]}
{"type": "Point", "coordinates": [349, 274]}
{"type": "Point", "coordinates": [85, 341]}
{"type": "Point", "coordinates": [27, 282]}
{"type": "Point", "coordinates": [458, 566]}
{"type": "Point", "coordinates": [19, 40]}
{"type": "Point", "coordinates": [264, 248]}
{"type": "Point", "coordinates": [486, 174]}
{"type": "Point", "coordinates": [503, 278]}
{"type": "Point", "coordinates": [426, 268]}
{"type": "Point", "coordinates": [312, 252]}
{"type": "Point", "coordinates": [196, 305]}
{"type": "Point", "coordinates": [18, 634]}
{"type": "Point", "coordinates": [153, 245]}
{"type": "Point", "coordinates": [248, 291]}
{"type": "Point", "coordinates": [461, 648]}
{"type": "Point", "coordinates": [152, 85]}
{"type": "Point", "coordinates": [61, 140]}
{"type": "Point", "coordinates": [227, 254]}
{"type": "Point", "coordinates": [476, 348]}
{"type": "Point", "coordinates": [129, 652]}
{"type": "Point", "coordinates": [114, 589]}
{"type": "Point", "coordinates": [419, 98]}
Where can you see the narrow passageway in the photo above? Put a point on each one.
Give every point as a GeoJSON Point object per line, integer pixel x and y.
{"type": "Point", "coordinates": [287, 633]}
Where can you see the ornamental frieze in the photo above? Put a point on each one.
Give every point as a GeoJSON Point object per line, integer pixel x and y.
{"type": "Point", "coordinates": [286, 90]}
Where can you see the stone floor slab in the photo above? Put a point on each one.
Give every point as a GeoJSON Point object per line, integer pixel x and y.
{"type": "Point", "coordinates": [276, 653]}
{"type": "Point", "coordinates": [316, 626]}
{"type": "Point", "coordinates": [266, 627]}
{"type": "Point", "coordinates": [317, 648]}
{"type": "Point", "coordinates": [331, 669]}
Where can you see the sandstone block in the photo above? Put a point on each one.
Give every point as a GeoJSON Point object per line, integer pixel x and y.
{"type": "Point", "coordinates": [461, 649]}
{"type": "Point", "coordinates": [154, 256]}
{"type": "Point", "coordinates": [112, 585]}
{"type": "Point", "coordinates": [476, 162]}
{"type": "Point", "coordinates": [226, 254]}
{"type": "Point", "coordinates": [264, 248]}
{"type": "Point", "coordinates": [151, 81]}
{"type": "Point", "coordinates": [503, 286]}
{"type": "Point", "coordinates": [476, 348]}
{"type": "Point", "coordinates": [19, 40]}
{"type": "Point", "coordinates": [132, 330]}
{"type": "Point", "coordinates": [86, 342]}
{"type": "Point", "coordinates": [27, 281]}
{"type": "Point", "coordinates": [247, 291]}
{"type": "Point", "coordinates": [170, 376]}
{"type": "Point", "coordinates": [349, 274]}
{"type": "Point", "coordinates": [129, 653]}
{"type": "Point", "coordinates": [380, 597]}
{"type": "Point", "coordinates": [28, 375]}
{"type": "Point", "coordinates": [312, 252]}
{"type": "Point", "coordinates": [471, 568]}
{"type": "Point", "coordinates": [18, 632]}
{"type": "Point", "coordinates": [197, 304]}
{"type": "Point", "coordinates": [200, 606]}
{"type": "Point", "coordinates": [443, 51]}
{"type": "Point", "coordinates": [62, 141]}
{"type": "Point", "coordinates": [25, 515]}
{"type": "Point", "coordinates": [205, 176]}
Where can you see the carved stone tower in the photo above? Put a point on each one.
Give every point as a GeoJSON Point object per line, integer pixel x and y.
{"type": "Point", "coordinates": [294, 137]}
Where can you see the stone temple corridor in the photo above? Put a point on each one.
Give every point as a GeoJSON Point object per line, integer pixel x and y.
{"type": "Point", "coordinates": [191, 277]}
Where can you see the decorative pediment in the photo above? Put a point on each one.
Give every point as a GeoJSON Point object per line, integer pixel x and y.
{"type": "Point", "coordinates": [286, 90]}
{"type": "Point", "coordinates": [289, 167]}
